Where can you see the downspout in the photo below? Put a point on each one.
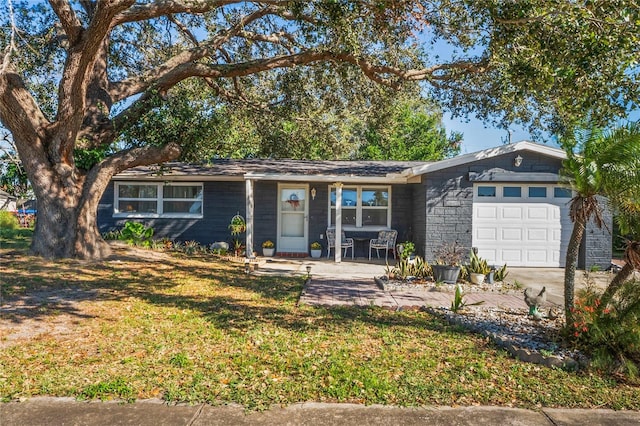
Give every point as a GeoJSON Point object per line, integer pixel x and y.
{"type": "Point", "coordinates": [249, 220]}
{"type": "Point", "coordinates": [338, 241]}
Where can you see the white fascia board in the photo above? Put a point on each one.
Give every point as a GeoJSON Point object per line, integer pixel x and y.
{"type": "Point", "coordinates": [487, 153]}
{"type": "Point", "coordinates": [178, 178]}
{"type": "Point", "coordinates": [389, 178]}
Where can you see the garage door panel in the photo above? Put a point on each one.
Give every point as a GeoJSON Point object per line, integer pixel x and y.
{"type": "Point", "coordinates": [487, 212]}
{"type": "Point", "coordinates": [512, 213]}
{"type": "Point", "coordinates": [537, 256]}
{"type": "Point", "coordinates": [513, 256]}
{"type": "Point", "coordinates": [489, 255]}
{"type": "Point", "coordinates": [537, 213]}
{"type": "Point", "coordinates": [486, 234]}
{"type": "Point", "coordinates": [537, 234]}
{"type": "Point", "coordinates": [511, 234]}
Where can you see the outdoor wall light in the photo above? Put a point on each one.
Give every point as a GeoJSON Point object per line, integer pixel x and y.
{"type": "Point", "coordinates": [313, 193]}
{"type": "Point", "coordinates": [517, 161]}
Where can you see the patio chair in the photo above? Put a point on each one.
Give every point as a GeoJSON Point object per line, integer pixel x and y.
{"type": "Point", "coordinates": [331, 242]}
{"type": "Point", "coordinates": [386, 241]}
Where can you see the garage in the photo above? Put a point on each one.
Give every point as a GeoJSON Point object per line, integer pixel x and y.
{"type": "Point", "coordinates": [521, 224]}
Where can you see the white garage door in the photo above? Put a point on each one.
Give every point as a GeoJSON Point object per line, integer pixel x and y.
{"type": "Point", "coordinates": [521, 224]}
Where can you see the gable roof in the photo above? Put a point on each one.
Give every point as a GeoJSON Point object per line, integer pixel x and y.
{"type": "Point", "coordinates": [327, 171]}
{"type": "Point", "coordinates": [484, 154]}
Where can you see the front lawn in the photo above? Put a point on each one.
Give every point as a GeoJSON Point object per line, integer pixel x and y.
{"type": "Point", "coordinates": [200, 330]}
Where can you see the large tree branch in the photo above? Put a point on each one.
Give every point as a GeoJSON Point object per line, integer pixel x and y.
{"type": "Point", "coordinates": [77, 74]}
{"type": "Point", "coordinates": [70, 22]}
{"type": "Point", "coordinates": [159, 8]}
{"type": "Point", "coordinates": [98, 177]}
{"type": "Point", "coordinates": [380, 73]}
{"type": "Point", "coordinates": [126, 88]}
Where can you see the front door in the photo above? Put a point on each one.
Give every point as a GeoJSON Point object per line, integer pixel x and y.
{"type": "Point", "coordinates": [293, 211]}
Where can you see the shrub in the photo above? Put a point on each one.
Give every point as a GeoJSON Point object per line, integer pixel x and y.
{"type": "Point", "coordinates": [8, 220]}
{"type": "Point", "coordinates": [501, 273]}
{"type": "Point", "coordinates": [136, 233]}
{"type": "Point", "coordinates": [611, 336]}
{"type": "Point", "coordinates": [417, 267]}
{"type": "Point", "coordinates": [111, 235]}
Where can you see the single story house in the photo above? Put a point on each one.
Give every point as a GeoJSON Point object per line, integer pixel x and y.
{"type": "Point", "coordinates": [508, 202]}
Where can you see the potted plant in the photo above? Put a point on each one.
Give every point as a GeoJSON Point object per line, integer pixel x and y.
{"type": "Point", "coordinates": [237, 225]}
{"type": "Point", "coordinates": [268, 248]}
{"type": "Point", "coordinates": [478, 268]}
{"type": "Point", "coordinates": [406, 250]}
{"type": "Point", "coordinates": [316, 250]}
{"type": "Point", "coordinates": [447, 267]}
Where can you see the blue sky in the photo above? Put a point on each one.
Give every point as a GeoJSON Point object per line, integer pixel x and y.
{"type": "Point", "coordinates": [478, 136]}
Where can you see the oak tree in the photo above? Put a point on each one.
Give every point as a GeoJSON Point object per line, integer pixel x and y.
{"type": "Point", "coordinates": [75, 75]}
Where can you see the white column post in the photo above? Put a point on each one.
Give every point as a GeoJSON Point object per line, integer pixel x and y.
{"type": "Point", "coordinates": [338, 247]}
{"type": "Point", "coordinates": [249, 219]}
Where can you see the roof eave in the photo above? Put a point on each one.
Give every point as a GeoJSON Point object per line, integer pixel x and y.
{"type": "Point", "coordinates": [484, 154]}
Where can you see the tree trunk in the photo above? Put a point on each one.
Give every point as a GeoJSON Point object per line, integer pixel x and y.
{"type": "Point", "coordinates": [66, 224]}
{"type": "Point", "coordinates": [632, 259]}
{"type": "Point", "coordinates": [571, 263]}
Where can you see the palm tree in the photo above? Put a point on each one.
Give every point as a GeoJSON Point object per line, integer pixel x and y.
{"type": "Point", "coordinates": [599, 163]}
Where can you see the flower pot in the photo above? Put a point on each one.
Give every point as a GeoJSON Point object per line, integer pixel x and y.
{"type": "Point", "coordinates": [490, 277]}
{"type": "Point", "coordinates": [476, 278]}
{"type": "Point", "coordinates": [446, 273]}
{"type": "Point", "coordinates": [316, 253]}
{"type": "Point", "coordinates": [268, 252]}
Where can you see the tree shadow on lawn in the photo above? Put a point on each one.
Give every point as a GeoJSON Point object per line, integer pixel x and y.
{"type": "Point", "coordinates": [40, 289]}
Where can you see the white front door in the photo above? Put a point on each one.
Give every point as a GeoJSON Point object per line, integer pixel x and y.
{"type": "Point", "coordinates": [293, 211]}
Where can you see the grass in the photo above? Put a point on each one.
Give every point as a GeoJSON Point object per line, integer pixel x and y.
{"type": "Point", "coordinates": [195, 330]}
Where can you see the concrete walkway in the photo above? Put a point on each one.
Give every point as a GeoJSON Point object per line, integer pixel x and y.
{"type": "Point", "coordinates": [352, 283]}
{"type": "Point", "coordinates": [346, 283]}
{"type": "Point", "coordinates": [65, 411]}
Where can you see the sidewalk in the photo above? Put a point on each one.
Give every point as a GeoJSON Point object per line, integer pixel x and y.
{"type": "Point", "coordinates": [65, 411]}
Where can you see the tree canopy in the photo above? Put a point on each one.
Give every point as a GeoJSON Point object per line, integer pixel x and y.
{"type": "Point", "coordinates": [75, 76]}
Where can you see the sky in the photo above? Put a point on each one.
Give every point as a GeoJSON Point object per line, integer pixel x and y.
{"type": "Point", "coordinates": [478, 136]}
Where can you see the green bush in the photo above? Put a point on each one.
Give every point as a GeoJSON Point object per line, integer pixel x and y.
{"type": "Point", "coordinates": [405, 268]}
{"type": "Point", "coordinates": [612, 335]}
{"type": "Point", "coordinates": [136, 233]}
{"type": "Point", "coordinates": [8, 220]}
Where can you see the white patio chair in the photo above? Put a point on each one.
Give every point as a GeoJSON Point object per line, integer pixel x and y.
{"type": "Point", "coordinates": [386, 241]}
{"type": "Point", "coordinates": [331, 242]}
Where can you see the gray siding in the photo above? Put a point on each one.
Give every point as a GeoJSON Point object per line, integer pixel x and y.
{"type": "Point", "coordinates": [222, 200]}
{"type": "Point", "coordinates": [597, 247]}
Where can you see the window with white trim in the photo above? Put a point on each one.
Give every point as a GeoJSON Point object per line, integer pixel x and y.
{"type": "Point", "coordinates": [157, 199]}
{"type": "Point", "coordinates": [362, 206]}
